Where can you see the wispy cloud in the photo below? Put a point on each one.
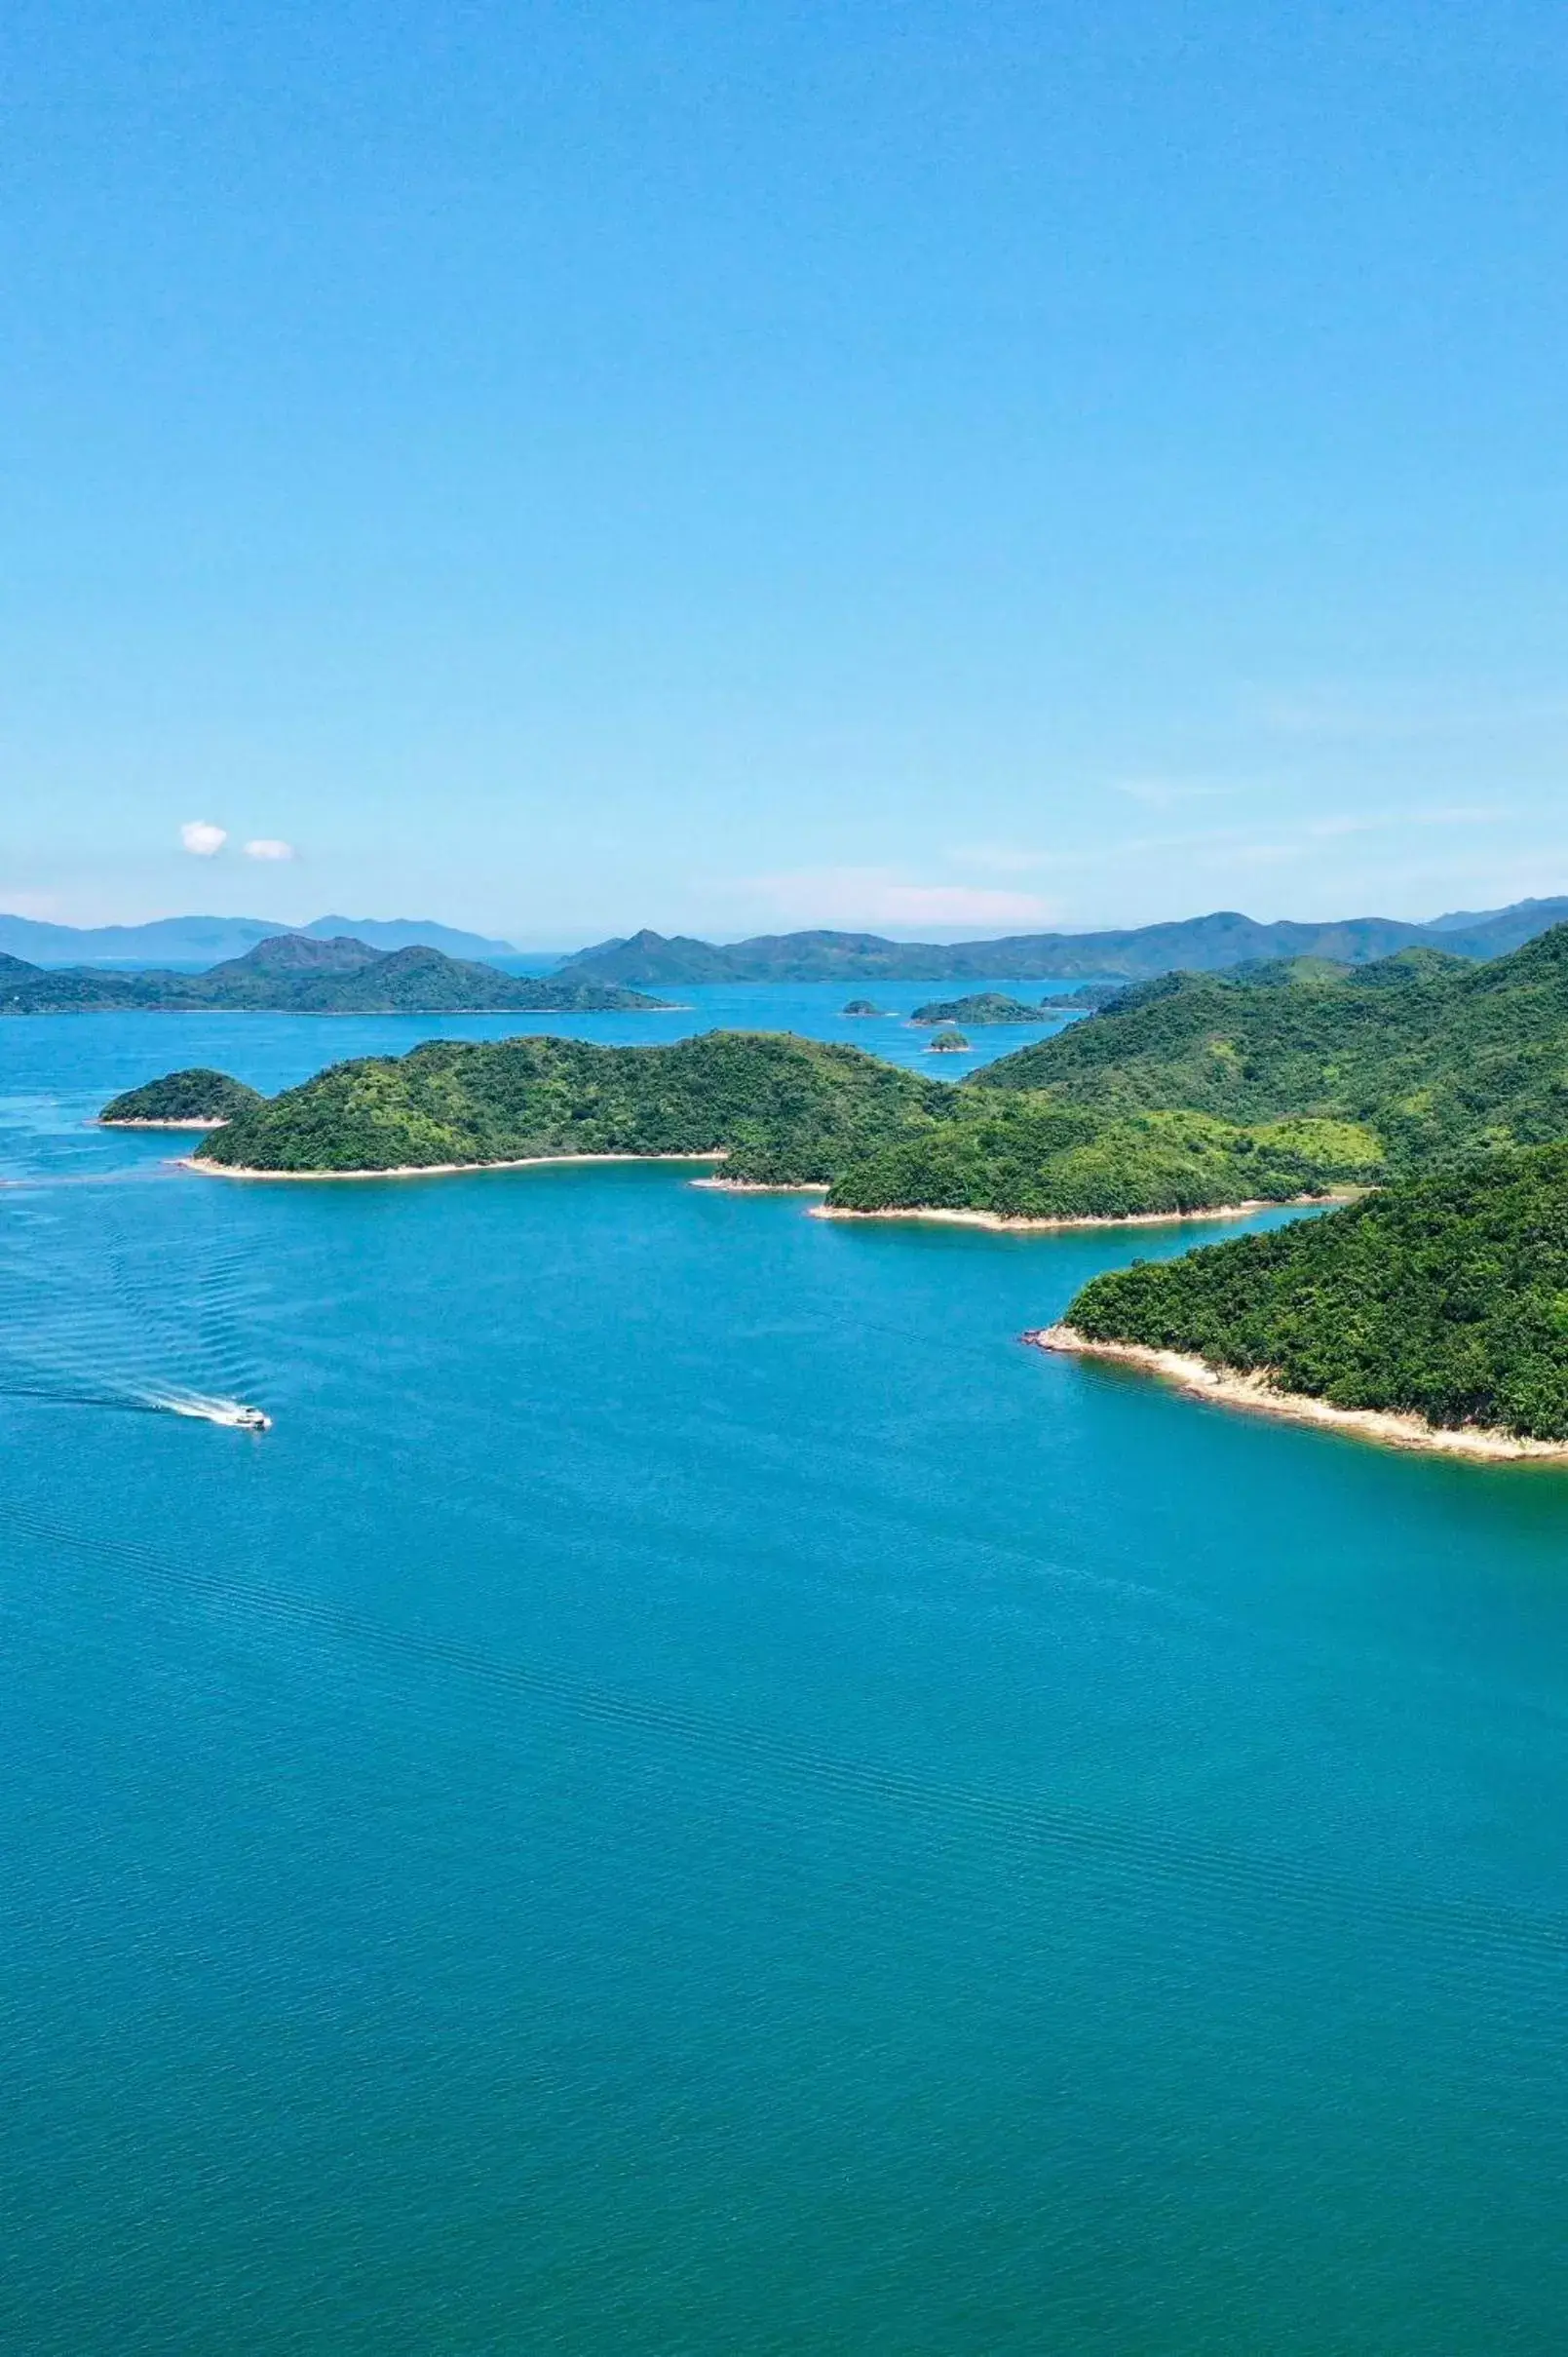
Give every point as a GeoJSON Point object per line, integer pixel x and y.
{"type": "Point", "coordinates": [1169, 793]}
{"type": "Point", "coordinates": [879, 896]}
{"type": "Point", "coordinates": [269, 847]}
{"type": "Point", "coordinates": [202, 839]}
{"type": "Point", "coordinates": [1000, 859]}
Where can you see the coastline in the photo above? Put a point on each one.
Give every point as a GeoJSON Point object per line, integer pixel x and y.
{"type": "Point", "coordinates": [159, 1125]}
{"type": "Point", "coordinates": [996, 1220]}
{"type": "Point", "coordinates": [764, 1186]}
{"type": "Point", "coordinates": [1387, 1425]}
{"type": "Point", "coordinates": [427, 1169]}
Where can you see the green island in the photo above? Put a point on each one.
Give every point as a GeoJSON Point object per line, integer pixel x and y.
{"type": "Point", "coordinates": [296, 973]}
{"type": "Point", "coordinates": [781, 1111]}
{"type": "Point", "coordinates": [981, 1007]}
{"type": "Point", "coordinates": [193, 1099]}
{"type": "Point", "coordinates": [1442, 1298]}
{"type": "Point", "coordinates": [947, 1043]}
{"type": "Point", "coordinates": [859, 1007]}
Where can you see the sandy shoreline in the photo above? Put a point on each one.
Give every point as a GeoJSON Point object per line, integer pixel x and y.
{"type": "Point", "coordinates": [764, 1186]}
{"type": "Point", "coordinates": [1254, 1391]}
{"type": "Point", "coordinates": [995, 1219]}
{"type": "Point", "coordinates": [160, 1125]}
{"type": "Point", "coordinates": [429, 1170]}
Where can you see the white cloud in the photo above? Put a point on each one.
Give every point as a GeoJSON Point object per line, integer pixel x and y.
{"type": "Point", "coordinates": [874, 896]}
{"type": "Point", "coordinates": [268, 847]}
{"type": "Point", "coordinates": [201, 837]}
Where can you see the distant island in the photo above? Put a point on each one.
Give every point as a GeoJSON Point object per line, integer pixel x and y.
{"type": "Point", "coordinates": [296, 973]}
{"type": "Point", "coordinates": [1198, 943]}
{"type": "Point", "coordinates": [862, 1006]}
{"type": "Point", "coordinates": [196, 1098]}
{"type": "Point", "coordinates": [201, 941]}
{"type": "Point", "coordinates": [981, 1007]}
{"type": "Point", "coordinates": [947, 1043]}
{"type": "Point", "coordinates": [1431, 1311]}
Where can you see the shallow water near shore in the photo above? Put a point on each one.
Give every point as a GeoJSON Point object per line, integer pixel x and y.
{"type": "Point", "coordinates": [694, 1795]}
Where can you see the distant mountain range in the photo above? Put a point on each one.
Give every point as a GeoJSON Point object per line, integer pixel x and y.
{"type": "Point", "coordinates": [1200, 944]}
{"type": "Point", "coordinates": [205, 940]}
{"type": "Point", "coordinates": [295, 974]}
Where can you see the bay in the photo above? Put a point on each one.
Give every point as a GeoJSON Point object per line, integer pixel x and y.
{"type": "Point", "coordinates": [692, 1795]}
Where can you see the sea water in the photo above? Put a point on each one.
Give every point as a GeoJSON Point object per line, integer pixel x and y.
{"type": "Point", "coordinates": [692, 1795]}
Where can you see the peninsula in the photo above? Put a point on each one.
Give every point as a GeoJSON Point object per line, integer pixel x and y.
{"type": "Point", "coordinates": [1431, 1313]}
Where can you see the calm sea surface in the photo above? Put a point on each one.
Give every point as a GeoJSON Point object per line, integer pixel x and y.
{"type": "Point", "coordinates": [691, 1795]}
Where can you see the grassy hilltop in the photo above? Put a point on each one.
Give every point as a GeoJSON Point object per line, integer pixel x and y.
{"type": "Point", "coordinates": [1444, 1298]}
{"type": "Point", "coordinates": [1431, 1056]}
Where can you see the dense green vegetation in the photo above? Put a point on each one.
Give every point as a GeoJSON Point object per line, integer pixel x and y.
{"type": "Point", "coordinates": [786, 1110]}
{"type": "Point", "coordinates": [1294, 1079]}
{"type": "Point", "coordinates": [948, 1043]}
{"type": "Point", "coordinates": [298, 974]}
{"type": "Point", "coordinates": [1434, 1056]}
{"type": "Point", "coordinates": [1031, 1157]}
{"type": "Point", "coordinates": [1444, 1298]}
{"type": "Point", "coordinates": [198, 1094]}
{"type": "Point", "coordinates": [783, 1112]}
{"type": "Point", "coordinates": [1088, 995]}
{"type": "Point", "coordinates": [981, 1007]}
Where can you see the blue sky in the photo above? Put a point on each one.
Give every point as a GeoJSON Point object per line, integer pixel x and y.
{"type": "Point", "coordinates": [727, 466]}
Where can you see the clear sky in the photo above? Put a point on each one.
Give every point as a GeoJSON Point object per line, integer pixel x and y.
{"type": "Point", "coordinates": [733, 465]}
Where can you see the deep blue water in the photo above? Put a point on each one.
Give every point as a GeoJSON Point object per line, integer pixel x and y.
{"type": "Point", "coordinates": [691, 1795]}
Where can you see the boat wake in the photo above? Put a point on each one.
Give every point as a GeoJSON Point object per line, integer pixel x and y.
{"type": "Point", "coordinates": [102, 1306]}
{"type": "Point", "coordinates": [233, 1412]}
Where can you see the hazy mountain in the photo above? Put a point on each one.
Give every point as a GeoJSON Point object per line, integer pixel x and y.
{"type": "Point", "coordinates": [1494, 932]}
{"type": "Point", "coordinates": [1198, 943]}
{"type": "Point", "coordinates": [207, 940]}
{"type": "Point", "coordinates": [292, 973]}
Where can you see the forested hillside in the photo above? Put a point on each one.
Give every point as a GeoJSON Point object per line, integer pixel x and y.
{"type": "Point", "coordinates": [1444, 1298]}
{"type": "Point", "coordinates": [1434, 1056]}
{"type": "Point", "coordinates": [781, 1110]}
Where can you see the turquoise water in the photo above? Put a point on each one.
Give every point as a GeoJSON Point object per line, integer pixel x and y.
{"type": "Point", "coordinates": [694, 1796]}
